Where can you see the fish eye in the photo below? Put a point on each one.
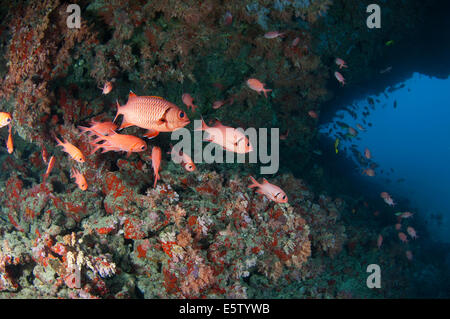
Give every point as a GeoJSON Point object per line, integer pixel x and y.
{"type": "Point", "coordinates": [284, 197]}
{"type": "Point", "coordinates": [143, 147]}
{"type": "Point", "coordinates": [181, 114]}
{"type": "Point", "coordinates": [248, 144]}
{"type": "Point", "coordinates": [8, 120]}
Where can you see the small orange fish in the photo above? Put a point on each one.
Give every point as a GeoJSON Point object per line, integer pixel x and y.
{"type": "Point", "coordinates": [229, 138]}
{"type": "Point", "coordinates": [107, 88]}
{"type": "Point", "coordinates": [409, 255]}
{"type": "Point", "coordinates": [341, 63]}
{"type": "Point", "coordinates": [218, 104]}
{"type": "Point", "coordinates": [44, 154]}
{"type": "Point", "coordinates": [257, 86]}
{"type": "Point", "coordinates": [9, 142]}
{"type": "Point", "coordinates": [362, 129]}
{"type": "Point", "coordinates": [103, 128]}
{"type": "Point", "coordinates": [398, 226]}
{"type": "Point", "coordinates": [50, 165]}
{"type": "Point", "coordinates": [406, 215]}
{"type": "Point", "coordinates": [72, 150]}
{"type": "Point", "coordinates": [273, 35]}
{"type": "Point", "coordinates": [369, 172]}
{"type": "Point", "coordinates": [184, 159]}
{"type": "Point", "coordinates": [189, 101]}
{"type": "Point", "coordinates": [367, 153]}
{"type": "Point", "coordinates": [285, 135]}
{"type": "Point", "coordinates": [79, 179]}
{"type": "Point", "coordinates": [379, 241]}
{"type": "Point", "coordinates": [412, 232]}
{"type": "Point", "coordinates": [156, 162]}
{"type": "Point", "coordinates": [152, 113]}
{"type": "Point", "coordinates": [313, 114]}
{"type": "Point", "coordinates": [228, 18]}
{"type": "Point", "coordinates": [387, 199]}
{"type": "Point", "coordinates": [402, 237]}
{"type": "Point", "coordinates": [339, 77]}
{"type": "Point", "coordinates": [272, 192]}
{"type": "Point", "coordinates": [118, 143]}
{"type": "Point", "coordinates": [352, 131]}
{"type": "Point", "coordinates": [5, 118]}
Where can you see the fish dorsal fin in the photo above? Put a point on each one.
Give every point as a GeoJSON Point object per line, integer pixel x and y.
{"type": "Point", "coordinates": [157, 97]}
{"type": "Point", "coordinates": [131, 94]}
{"type": "Point", "coordinates": [265, 181]}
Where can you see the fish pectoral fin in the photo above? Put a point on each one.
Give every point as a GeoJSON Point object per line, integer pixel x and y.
{"type": "Point", "coordinates": [151, 134]}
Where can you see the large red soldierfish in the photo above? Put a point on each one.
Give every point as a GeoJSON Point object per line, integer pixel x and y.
{"type": "Point", "coordinates": [229, 138]}
{"type": "Point", "coordinates": [272, 192]}
{"type": "Point", "coordinates": [152, 113]}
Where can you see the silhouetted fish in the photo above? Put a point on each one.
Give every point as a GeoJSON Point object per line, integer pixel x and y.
{"type": "Point", "coordinates": [395, 104]}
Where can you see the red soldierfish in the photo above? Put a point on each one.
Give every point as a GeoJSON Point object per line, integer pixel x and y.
{"type": "Point", "coordinates": [229, 138]}
{"type": "Point", "coordinates": [272, 192]}
{"type": "Point", "coordinates": [152, 113]}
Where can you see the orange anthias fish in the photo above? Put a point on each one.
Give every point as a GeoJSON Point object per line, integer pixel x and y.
{"type": "Point", "coordinates": [79, 179]}
{"type": "Point", "coordinates": [50, 165]}
{"type": "Point", "coordinates": [313, 114]}
{"type": "Point", "coordinates": [387, 199]}
{"type": "Point", "coordinates": [72, 150]}
{"type": "Point", "coordinates": [189, 101]}
{"type": "Point", "coordinates": [257, 86]}
{"type": "Point", "coordinates": [369, 172]}
{"type": "Point", "coordinates": [402, 237]}
{"type": "Point", "coordinates": [107, 88]}
{"type": "Point", "coordinates": [152, 113]}
{"type": "Point", "coordinates": [103, 128]}
{"type": "Point", "coordinates": [118, 143]}
{"type": "Point", "coordinates": [272, 192]}
{"type": "Point", "coordinates": [44, 154]}
{"type": "Point", "coordinates": [341, 63]}
{"type": "Point", "coordinates": [412, 232]}
{"type": "Point", "coordinates": [156, 162]}
{"type": "Point", "coordinates": [379, 241]}
{"type": "Point", "coordinates": [178, 156]}
{"type": "Point", "coordinates": [229, 138]}
{"type": "Point", "coordinates": [9, 142]}
{"type": "Point", "coordinates": [273, 35]}
{"type": "Point", "coordinates": [5, 118]}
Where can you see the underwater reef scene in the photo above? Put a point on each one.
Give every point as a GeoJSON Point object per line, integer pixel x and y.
{"type": "Point", "coordinates": [93, 204]}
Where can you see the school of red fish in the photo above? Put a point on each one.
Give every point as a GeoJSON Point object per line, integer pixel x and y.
{"type": "Point", "coordinates": [156, 115]}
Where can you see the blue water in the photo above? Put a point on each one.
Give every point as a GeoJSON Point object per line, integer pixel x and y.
{"type": "Point", "coordinates": [413, 139]}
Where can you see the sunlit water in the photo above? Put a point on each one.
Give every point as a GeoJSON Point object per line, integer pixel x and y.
{"type": "Point", "coordinates": [410, 142]}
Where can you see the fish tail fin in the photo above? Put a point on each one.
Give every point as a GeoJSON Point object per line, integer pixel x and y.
{"type": "Point", "coordinates": [265, 92]}
{"type": "Point", "coordinates": [156, 179]}
{"type": "Point", "coordinates": [83, 129]}
{"type": "Point", "coordinates": [255, 183]}
{"type": "Point", "coordinates": [58, 140]}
